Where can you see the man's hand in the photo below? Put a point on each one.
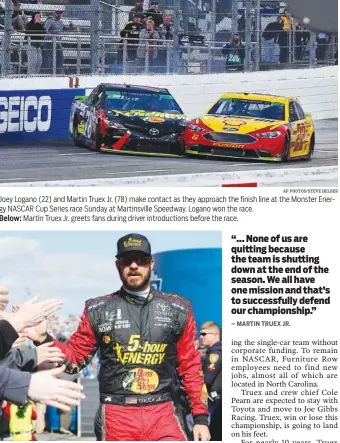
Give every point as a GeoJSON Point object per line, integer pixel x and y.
{"type": "Point", "coordinates": [38, 333]}
{"type": "Point", "coordinates": [48, 356]}
{"type": "Point", "coordinates": [201, 433]}
{"type": "Point", "coordinates": [32, 314]}
{"type": "Point", "coordinates": [46, 388]}
{"type": "Point", "coordinates": [22, 338]}
{"type": "Point", "coordinates": [3, 299]}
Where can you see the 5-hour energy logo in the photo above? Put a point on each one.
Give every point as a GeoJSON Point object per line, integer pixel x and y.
{"type": "Point", "coordinates": [135, 352]}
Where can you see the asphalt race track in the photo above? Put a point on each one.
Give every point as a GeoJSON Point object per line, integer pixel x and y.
{"type": "Point", "coordinates": [60, 160]}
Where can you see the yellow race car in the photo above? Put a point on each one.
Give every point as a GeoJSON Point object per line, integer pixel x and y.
{"type": "Point", "coordinates": [252, 126]}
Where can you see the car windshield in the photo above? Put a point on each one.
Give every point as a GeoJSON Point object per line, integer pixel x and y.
{"type": "Point", "coordinates": [126, 101]}
{"type": "Point", "coordinates": [249, 108]}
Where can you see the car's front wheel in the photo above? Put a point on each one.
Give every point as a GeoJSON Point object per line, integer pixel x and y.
{"type": "Point", "coordinates": [286, 149]}
{"type": "Point", "coordinates": [179, 148]}
{"type": "Point", "coordinates": [98, 138]}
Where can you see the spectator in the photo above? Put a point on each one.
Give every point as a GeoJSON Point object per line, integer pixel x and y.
{"type": "Point", "coordinates": [20, 421]}
{"type": "Point", "coordinates": [34, 58]}
{"type": "Point", "coordinates": [166, 29]}
{"type": "Point", "coordinates": [19, 18]}
{"type": "Point", "coordinates": [4, 428]}
{"type": "Point", "coordinates": [40, 423]}
{"type": "Point", "coordinates": [138, 8]}
{"type": "Point", "coordinates": [166, 32]}
{"type": "Point", "coordinates": [17, 387]}
{"type": "Point", "coordinates": [154, 13]}
{"type": "Point", "coordinates": [285, 25]}
{"type": "Point", "coordinates": [54, 26]}
{"type": "Point", "coordinates": [206, 9]}
{"type": "Point", "coordinates": [242, 26]}
{"type": "Point", "coordinates": [270, 47]}
{"type": "Point", "coordinates": [205, 20]}
{"type": "Point", "coordinates": [302, 37]}
{"type": "Point", "coordinates": [131, 32]}
{"type": "Point", "coordinates": [235, 53]}
{"type": "Point", "coordinates": [212, 369]}
{"type": "Point", "coordinates": [19, 21]}
{"type": "Point", "coordinates": [148, 44]}
{"type": "Point", "coordinates": [322, 40]}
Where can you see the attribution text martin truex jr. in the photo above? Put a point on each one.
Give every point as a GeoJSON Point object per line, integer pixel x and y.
{"type": "Point", "coordinates": [128, 119]}
{"type": "Point", "coordinates": [253, 126]}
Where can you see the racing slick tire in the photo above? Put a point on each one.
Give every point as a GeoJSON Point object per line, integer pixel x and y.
{"type": "Point", "coordinates": [311, 147]}
{"type": "Point", "coordinates": [75, 134]}
{"type": "Point", "coordinates": [98, 139]}
{"type": "Point", "coordinates": [286, 148]}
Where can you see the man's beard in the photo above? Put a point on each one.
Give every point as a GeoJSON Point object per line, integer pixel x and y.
{"type": "Point", "coordinates": [143, 285]}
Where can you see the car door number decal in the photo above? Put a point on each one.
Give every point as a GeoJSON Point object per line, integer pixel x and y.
{"type": "Point", "coordinates": [297, 145]}
{"type": "Point", "coordinates": [89, 125]}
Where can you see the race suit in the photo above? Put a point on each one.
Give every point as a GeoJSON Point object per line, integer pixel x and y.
{"type": "Point", "coordinates": [141, 343]}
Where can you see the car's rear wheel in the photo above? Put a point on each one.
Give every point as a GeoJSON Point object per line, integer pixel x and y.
{"type": "Point", "coordinates": [75, 134]}
{"type": "Point", "coordinates": [311, 147]}
{"type": "Point", "coordinates": [286, 148]}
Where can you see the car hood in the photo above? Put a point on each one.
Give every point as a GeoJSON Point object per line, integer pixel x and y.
{"type": "Point", "coordinates": [239, 125]}
{"type": "Point", "coordinates": [145, 118]}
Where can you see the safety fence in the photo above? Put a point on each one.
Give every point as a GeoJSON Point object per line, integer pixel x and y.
{"type": "Point", "coordinates": [188, 38]}
{"type": "Point", "coordinates": [80, 55]}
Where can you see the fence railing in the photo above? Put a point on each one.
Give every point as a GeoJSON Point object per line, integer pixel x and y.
{"type": "Point", "coordinates": [72, 54]}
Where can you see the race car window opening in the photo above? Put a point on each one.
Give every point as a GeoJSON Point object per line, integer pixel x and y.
{"type": "Point", "coordinates": [249, 108]}
{"type": "Point", "coordinates": [93, 96]}
{"type": "Point", "coordinates": [299, 111]}
{"type": "Point", "coordinates": [133, 100]}
{"type": "Point", "coordinates": [97, 101]}
{"type": "Point", "coordinates": [293, 116]}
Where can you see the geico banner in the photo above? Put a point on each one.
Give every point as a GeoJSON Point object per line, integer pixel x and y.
{"type": "Point", "coordinates": [35, 115]}
{"type": "Point", "coordinates": [195, 274]}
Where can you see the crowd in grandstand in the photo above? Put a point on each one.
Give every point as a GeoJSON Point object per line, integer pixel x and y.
{"type": "Point", "coordinates": [38, 34]}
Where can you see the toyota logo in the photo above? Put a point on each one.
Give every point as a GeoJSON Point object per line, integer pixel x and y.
{"type": "Point", "coordinates": [163, 307]}
{"type": "Point", "coordinates": [153, 131]}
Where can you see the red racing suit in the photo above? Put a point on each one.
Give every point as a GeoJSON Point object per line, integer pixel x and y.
{"type": "Point", "coordinates": [141, 343]}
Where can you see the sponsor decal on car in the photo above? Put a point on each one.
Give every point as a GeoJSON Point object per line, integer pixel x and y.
{"type": "Point", "coordinates": [234, 122]}
{"type": "Point", "coordinates": [156, 120]}
{"type": "Point", "coordinates": [228, 145]}
{"type": "Point", "coordinates": [150, 115]}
